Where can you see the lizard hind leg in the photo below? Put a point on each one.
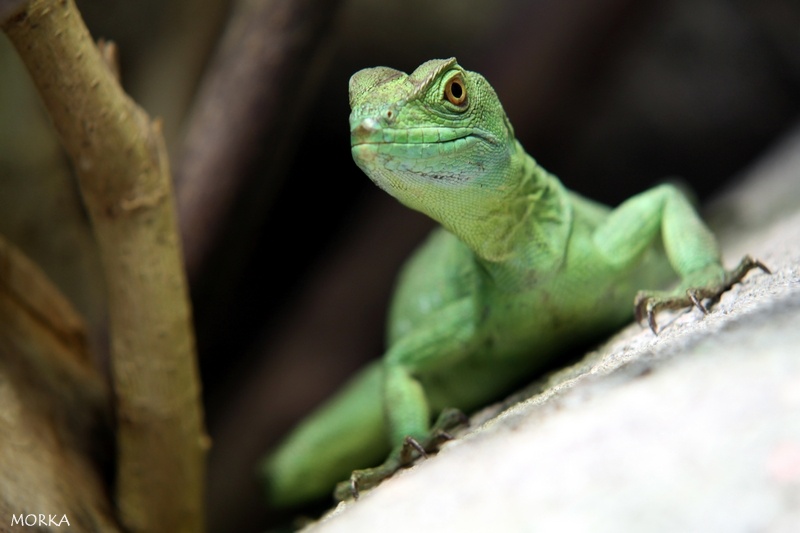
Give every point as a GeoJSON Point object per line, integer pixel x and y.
{"type": "Point", "coordinates": [403, 456]}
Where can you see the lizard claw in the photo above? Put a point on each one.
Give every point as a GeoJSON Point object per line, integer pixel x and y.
{"type": "Point", "coordinates": [448, 419]}
{"type": "Point", "coordinates": [648, 303]}
{"type": "Point", "coordinates": [693, 296]}
{"type": "Point", "coordinates": [651, 321]}
{"type": "Point", "coordinates": [411, 450]}
{"type": "Point", "coordinates": [410, 445]}
{"type": "Point", "coordinates": [350, 489]}
{"type": "Point", "coordinates": [361, 480]}
{"type": "Point", "coordinates": [644, 308]}
{"type": "Point", "coordinates": [354, 487]}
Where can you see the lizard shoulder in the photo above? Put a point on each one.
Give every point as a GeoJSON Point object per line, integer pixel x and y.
{"type": "Point", "coordinates": [441, 271]}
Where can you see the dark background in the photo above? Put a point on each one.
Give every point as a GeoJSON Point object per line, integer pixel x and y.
{"type": "Point", "coordinates": [292, 277]}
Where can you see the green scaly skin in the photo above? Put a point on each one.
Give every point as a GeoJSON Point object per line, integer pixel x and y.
{"type": "Point", "coordinates": [520, 270]}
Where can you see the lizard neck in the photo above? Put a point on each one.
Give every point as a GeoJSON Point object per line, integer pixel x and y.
{"type": "Point", "coordinates": [523, 223]}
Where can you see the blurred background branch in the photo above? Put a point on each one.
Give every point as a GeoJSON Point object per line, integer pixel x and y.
{"type": "Point", "coordinates": [56, 416]}
{"type": "Point", "coordinates": [249, 106]}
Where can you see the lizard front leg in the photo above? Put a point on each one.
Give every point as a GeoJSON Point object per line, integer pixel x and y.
{"type": "Point", "coordinates": [690, 246]}
{"type": "Point", "coordinates": [648, 303]}
{"type": "Point", "coordinates": [402, 456]}
{"type": "Point", "coordinates": [447, 337]}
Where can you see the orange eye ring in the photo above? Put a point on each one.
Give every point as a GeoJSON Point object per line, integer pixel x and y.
{"type": "Point", "coordinates": [456, 91]}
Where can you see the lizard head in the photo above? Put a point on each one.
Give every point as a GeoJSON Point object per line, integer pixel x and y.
{"type": "Point", "coordinates": [430, 137]}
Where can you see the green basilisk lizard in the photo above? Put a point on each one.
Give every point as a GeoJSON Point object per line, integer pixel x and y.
{"type": "Point", "coordinates": [520, 270]}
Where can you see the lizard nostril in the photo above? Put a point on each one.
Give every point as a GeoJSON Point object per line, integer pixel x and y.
{"type": "Point", "coordinates": [369, 125]}
{"type": "Point", "coordinates": [366, 127]}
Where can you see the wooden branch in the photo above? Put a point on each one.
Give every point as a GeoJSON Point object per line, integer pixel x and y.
{"type": "Point", "coordinates": [121, 162]}
{"type": "Point", "coordinates": [53, 403]}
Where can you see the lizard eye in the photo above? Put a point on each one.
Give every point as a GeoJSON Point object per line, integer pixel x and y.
{"type": "Point", "coordinates": [455, 91]}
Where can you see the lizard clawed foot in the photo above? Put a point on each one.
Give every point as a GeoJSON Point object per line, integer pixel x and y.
{"type": "Point", "coordinates": [367, 478]}
{"type": "Point", "coordinates": [648, 303]}
{"type": "Point", "coordinates": [449, 419]}
{"type": "Point", "coordinates": [411, 450]}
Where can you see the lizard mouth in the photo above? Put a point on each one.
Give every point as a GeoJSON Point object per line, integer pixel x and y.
{"type": "Point", "coordinates": [369, 132]}
{"type": "Point", "coordinates": [413, 143]}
